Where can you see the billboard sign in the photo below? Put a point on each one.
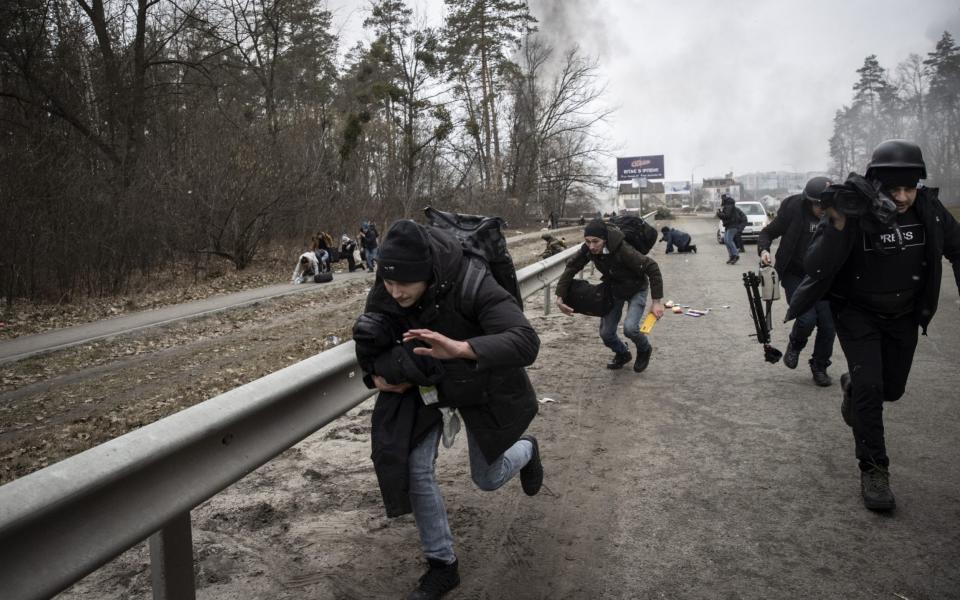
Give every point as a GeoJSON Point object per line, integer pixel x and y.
{"type": "Point", "coordinates": [634, 167]}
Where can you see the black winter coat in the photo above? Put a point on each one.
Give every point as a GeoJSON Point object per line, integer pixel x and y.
{"type": "Point", "coordinates": [732, 217]}
{"type": "Point", "coordinates": [788, 225]}
{"type": "Point", "coordinates": [370, 237]}
{"type": "Point", "coordinates": [830, 249]}
{"type": "Point", "coordinates": [399, 420]}
{"type": "Point", "coordinates": [494, 394]}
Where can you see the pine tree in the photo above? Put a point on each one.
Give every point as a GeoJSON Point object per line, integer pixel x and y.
{"type": "Point", "coordinates": [944, 153]}
{"type": "Point", "coordinates": [480, 36]}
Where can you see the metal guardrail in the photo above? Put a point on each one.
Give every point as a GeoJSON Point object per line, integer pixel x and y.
{"type": "Point", "coordinates": [65, 521]}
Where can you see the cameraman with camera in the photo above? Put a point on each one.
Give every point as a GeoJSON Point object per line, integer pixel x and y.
{"type": "Point", "coordinates": [877, 258]}
{"type": "Point", "coordinates": [795, 223]}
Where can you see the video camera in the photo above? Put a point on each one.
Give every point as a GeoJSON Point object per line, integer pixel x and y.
{"type": "Point", "coordinates": [857, 197]}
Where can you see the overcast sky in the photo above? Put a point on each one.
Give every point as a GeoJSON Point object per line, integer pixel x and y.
{"type": "Point", "coordinates": [726, 85]}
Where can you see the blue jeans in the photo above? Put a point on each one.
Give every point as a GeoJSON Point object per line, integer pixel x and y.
{"type": "Point", "coordinates": [819, 316]}
{"type": "Point", "coordinates": [429, 511]}
{"type": "Point", "coordinates": [631, 325]}
{"type": "Point", "coordinates": [371, 255]}
{"type": "Point", "coordinates": [728, 241]}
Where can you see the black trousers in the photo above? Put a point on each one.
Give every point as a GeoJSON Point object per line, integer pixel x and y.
{"type": "Point", "coordinates": [879, 355]}
{"type": "Point", "coordinates": [352, 264]}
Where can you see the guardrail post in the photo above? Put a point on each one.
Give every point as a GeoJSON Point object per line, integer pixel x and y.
{"type": "Point", "coordinates": [171, 560]}
{"type": "Point", "coordinates": [546, 299]}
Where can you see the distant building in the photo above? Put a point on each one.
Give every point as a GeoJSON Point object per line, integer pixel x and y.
{"type": "Point", "coordinates": [777, 183]}
{"type": "Point", "coordinates": [714, 188]}
{"type": "Point", "coordinates": [677, 193]}
{"type": "Point", "coordinates": [640, 198]}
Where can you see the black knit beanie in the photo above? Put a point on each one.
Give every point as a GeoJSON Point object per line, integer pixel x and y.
{"type": "Point", "coordinates": [596, 228]}
{"type": "Point", "coordinates": [405, 253]}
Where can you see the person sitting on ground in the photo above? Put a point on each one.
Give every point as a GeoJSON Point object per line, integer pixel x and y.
{"type": "Point", "coordinates": [307, 267]}
{"type": "Point", "coordinates": [554, 246]}
{"type": "Point", "coordinates": [680, 239]}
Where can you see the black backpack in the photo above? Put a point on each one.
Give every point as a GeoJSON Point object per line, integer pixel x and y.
{"type": "Point", "coordinates": [638, 233]}
{"type": "Point", "coordinates": [589, 299]}
{"type": "Point", "coordinates": [481, 238]}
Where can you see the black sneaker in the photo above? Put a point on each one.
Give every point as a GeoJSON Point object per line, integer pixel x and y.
{"type": "Point", "coordinates": [875, 487]}
{"type": "Point", "coordinates": [734, 259]}
{"type": "Point", "coordinates": [845, 386]}
{"type": "Point", "coordinates": [619, 359]}
{"type": "Point", "coordinates": [791, 357]}
{"type": "Point", "coordinates": [693, 248]}
{"type": "Point", "coordinates": [439, 579]}
{"type": "Point", "coordinates": [531, 474]}
{"type": "Point", "coordinates": [820, 376]}
{"type": "Point", "coordinates": [643, 359]}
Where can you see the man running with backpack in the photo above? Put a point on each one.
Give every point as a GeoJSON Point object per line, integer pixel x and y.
{"type": "Point", "coordinates": [629, 274]}
{"type": "Point", "coordinates": [465, 343]}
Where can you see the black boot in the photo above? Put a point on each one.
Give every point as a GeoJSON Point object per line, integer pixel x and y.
{"type": "Point", "coordinates": [820, 376]}
{"type": "Point", "coordinates": [439, 579]}
{"type": "Point", "coordinates": [531, 474]}
{"type": "Point", "coordinates": [791, 357]}
{"type": "Point", "coordinates": [619, 359]}
{"type": "Point", "coordinates": [693, 248]}
{"type": "Point", "coordinates": [643, 359]}
{"type": "Point", "coordinates": [875, 487]}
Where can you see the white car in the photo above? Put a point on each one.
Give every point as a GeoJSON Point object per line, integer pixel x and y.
{"type": "Point", "coordinates": [757, 219]}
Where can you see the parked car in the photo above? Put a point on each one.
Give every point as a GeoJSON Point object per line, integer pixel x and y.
{"type": "Point", "coordinates": [757, 219]}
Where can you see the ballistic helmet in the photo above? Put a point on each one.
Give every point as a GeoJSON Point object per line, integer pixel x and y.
{"type": "Point", "coordinates": [896, 154]}
{"type": "Point", "coordinates": [815, 187]}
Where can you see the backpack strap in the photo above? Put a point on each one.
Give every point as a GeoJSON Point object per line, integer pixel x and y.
{"type": "Point", "coordinates": [471, 284]}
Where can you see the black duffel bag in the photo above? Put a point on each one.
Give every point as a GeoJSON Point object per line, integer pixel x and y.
{"type": "Point", "coordinates": [588, 299]}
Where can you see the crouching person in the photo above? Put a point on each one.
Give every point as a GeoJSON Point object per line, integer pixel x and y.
{"type": "Point", "coordinates": [307, 267]}
{"type": "Point", "coordinates": [437, 352]}
{"type": "Point", "coordinates": [680, 239]}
